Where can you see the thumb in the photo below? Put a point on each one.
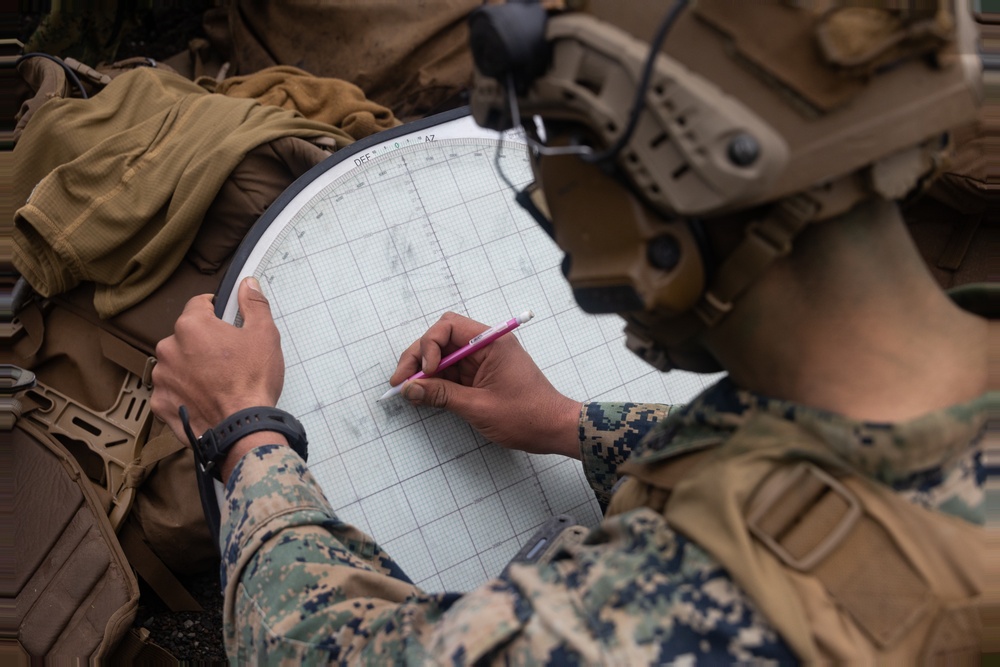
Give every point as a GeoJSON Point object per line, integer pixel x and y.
{"type": "Point", "coordinates": [438, 393]}
{"type": "Point", "coordinates": [253, 304]}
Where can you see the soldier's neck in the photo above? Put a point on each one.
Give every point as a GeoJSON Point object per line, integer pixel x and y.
{"type": "Point", "coordinates": [855, 324]}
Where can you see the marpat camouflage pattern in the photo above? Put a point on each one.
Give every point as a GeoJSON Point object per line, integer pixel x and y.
{"type": "Point", "coordinates": [302, 587]}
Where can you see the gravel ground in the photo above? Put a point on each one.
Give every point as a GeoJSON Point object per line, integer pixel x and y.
{"type": "Point", "coordinates": [193, 637]}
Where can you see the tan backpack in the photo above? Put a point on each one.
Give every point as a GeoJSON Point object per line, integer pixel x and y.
{"type": "Point", "coordinates": [90, 409]}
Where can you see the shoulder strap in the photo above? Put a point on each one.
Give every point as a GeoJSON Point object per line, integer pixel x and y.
{"type": "Point", "coordinates": [136, 648]}
{"type": "Point", "coordinates": [843, 568]}
{"type": "Point", "coordinates": [153, 571]}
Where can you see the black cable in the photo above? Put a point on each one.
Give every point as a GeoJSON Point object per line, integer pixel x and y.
{"type": "Point", "coordinates": [499, 167]}
{"type": "Point", "coordinates": [72, 75]}
{"type": "Point", "coordinates": [515, 116]}
{"type": "Point", "coordinates": [639, 103]}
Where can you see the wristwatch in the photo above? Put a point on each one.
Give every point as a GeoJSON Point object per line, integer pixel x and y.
{"type": "Point", "coordinates": [211, 448]}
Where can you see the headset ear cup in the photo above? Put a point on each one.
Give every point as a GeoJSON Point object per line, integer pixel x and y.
{"type": "Point", "coordinates": [509, 40]}
{"type": "Point", "coordinates": [624, 257]}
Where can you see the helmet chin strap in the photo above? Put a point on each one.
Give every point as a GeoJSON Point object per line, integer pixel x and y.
{"type": "Point", "coordinates": [764, 242]}
{"type": "Point", "coordinates": [770, 238]}
{"type": "Point", "coordinates": [670, 342]}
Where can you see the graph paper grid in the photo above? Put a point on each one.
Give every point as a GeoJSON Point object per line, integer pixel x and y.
{"type": "Point", "coordinates": [357, 274]}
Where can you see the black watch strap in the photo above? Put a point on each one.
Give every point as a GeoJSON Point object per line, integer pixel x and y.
{"type": "Point", "coordinates": [211, 448]}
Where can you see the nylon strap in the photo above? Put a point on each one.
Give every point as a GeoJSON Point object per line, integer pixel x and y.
{"type": "Point", "coordinates": [153, 571]}
{"type": "Point", "coordinates": [798, 515]}
{"type": "Point", "coordinates": [33, 327]}
{"type": "Point", "coordinates": [650, 486]}
{"type": "Point", "coordinates": [764, 242]}
{"type": "Point", "coordinates": [858, 562]}
{"type": "Point", "coordinates": [136, 648]}
{"type": "Point", "coordinates": [958, 242]}
{"type": "Point", "coordinates": [128, 357]}
{"type": "Point", "coordinates": [161, 447]}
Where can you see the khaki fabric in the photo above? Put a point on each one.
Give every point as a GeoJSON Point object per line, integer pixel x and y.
{"type": "Point", "coordinates": [65, 349]}
{"type": "Point", "coordinates": [971, 183]}
{"type": "Point", "coordinates": [781, 41]}
{"type": "Point", "coordinates": [412, 57]}
{"type": "Point", "coordinates": [826, 54]}
{"type": "Point", "coordinates": [118, 184]}
{"type": "Point", "coordinates": [74, 593]}
{"type": "Point", "coordinates": [944, 557]}
{"type": "Point", "coordinates": [168, 510]}
{"type": "Point", "coordinates": [330, 101]}
{"type": "Point", "coordinates": [956, 224]}
{"type": "Point", "coordinates": [48, 81]}
{"type": "Point", "coordinates": [252, 186]}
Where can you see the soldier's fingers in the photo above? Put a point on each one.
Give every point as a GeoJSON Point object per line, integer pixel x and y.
{"type": "Point", "coordinates": [439, 336]}
{"type": "Point", "coordinates": [408, 364]}
{"type": "Point", "coordinates": [199, 304]}
{"type": "Point", "coordinates": [463, 328]}
{"type": "Point", "coordinates": [165, 350]}
{"type": "Point", "coordinates": [450, 332]}
{"type": "Point", "coordinates": [254, 305]}
{"type": "Point", "coordinates": [163, 401]}
{"type": "Point", "coordinates": [198, 312]}
{"type": "Point", "coordinates": [424, 353]}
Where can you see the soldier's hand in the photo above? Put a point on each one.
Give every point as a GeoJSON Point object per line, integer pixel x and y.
{"type": "Point", "coordinates": [215, 368]}
{"type": "Point", "coordinates": [499, 390]}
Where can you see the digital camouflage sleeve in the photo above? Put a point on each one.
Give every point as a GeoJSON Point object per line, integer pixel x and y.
{"type": "Point", "coordinates": [608, 434]}
{"type": "Point", "coordinates": [302, 587]}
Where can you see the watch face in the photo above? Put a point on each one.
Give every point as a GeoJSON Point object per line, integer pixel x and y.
{"type": "Point", "coordinates": [358, 258]}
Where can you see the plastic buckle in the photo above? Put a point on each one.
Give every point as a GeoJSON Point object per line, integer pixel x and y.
{"type": "Point", "coordinates": [774, 494]}
{"type": "Point", "coordinates": [14, 379]}
{"type": "Point", "coordinates": [207, 449]}
{"type": "Point", "coordinates": [779, 228]}
{"type": "Point", "coordinates": [773, 235]}
{"type": "Point", "coordinates": [711, 308]}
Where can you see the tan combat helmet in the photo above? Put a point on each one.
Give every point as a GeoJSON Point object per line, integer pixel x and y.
{"type": "Point", "coordinates": [650, 121]}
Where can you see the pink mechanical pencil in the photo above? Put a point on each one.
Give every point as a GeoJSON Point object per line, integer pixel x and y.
{"type": "Point", "coordinates": [477, 343]}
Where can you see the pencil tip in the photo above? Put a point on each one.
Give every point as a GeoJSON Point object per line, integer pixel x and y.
{"type": "Point", "coordinates": [392, 392]}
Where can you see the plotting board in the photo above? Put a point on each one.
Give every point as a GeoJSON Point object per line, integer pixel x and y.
{"type": "Point", "coordinates": [358, 258]}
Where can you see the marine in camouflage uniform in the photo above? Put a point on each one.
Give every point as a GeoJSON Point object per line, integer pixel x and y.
{"type": "Point", "coordinates": [302, 587]}
{"type": "Point", "coordinates": [826, 316]}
